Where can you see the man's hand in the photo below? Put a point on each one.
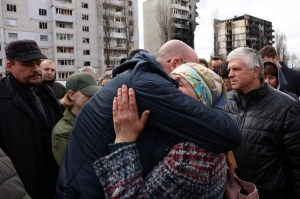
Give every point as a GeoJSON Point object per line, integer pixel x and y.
{"type": "Point", "coordinates": [128, 126]}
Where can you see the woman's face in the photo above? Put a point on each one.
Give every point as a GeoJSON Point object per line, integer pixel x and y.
{"type": "Point", "coordinates": [184, 86]}
{"type": "Point", "coordinates": [271, 80]}
{"type": "Point", "coordinates": [80, 99]}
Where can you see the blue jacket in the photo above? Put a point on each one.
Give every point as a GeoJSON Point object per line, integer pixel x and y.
{"type": "Point", "coordinates": [172, 113]}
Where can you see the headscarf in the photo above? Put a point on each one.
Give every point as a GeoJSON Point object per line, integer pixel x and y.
{"type": "Point", "coordinates": [208, 86]}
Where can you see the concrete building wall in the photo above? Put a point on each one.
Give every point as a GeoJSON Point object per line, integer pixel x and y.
{"type": "Point", "coordinates": [62, 40]}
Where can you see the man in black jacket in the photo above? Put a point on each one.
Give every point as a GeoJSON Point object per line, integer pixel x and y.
{"type": "Point", "coordinates": [173, 114]}
{"type": "Point", "coordinates": [269, 120]}
{"type": "Point", "coordinates": [29, 111]}
{"type": "Point", "coordinates": [48, 76]}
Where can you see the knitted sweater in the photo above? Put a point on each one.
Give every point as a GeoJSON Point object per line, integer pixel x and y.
{"type": "Point", "coordinates": [187, 171]}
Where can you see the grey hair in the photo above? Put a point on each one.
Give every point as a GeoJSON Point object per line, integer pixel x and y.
{"type": "Point", "coordinates": [84, 68]}
{"type": "Point", "coordinates": [250, 57]}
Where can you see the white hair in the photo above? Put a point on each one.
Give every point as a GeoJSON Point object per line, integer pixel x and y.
{"type": "Point", "coordinates": [84, 68]}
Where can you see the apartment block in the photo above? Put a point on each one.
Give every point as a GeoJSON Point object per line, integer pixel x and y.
{"type": "Point", "coordinates": [243, 31]}
{"type": "Point", "coordinates": [184, 16]}
{"type": "Point", "coordinates": [67, 31]}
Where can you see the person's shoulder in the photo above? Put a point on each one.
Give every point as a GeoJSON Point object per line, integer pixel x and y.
{"type": "Point", "coordinates": [279, 97]}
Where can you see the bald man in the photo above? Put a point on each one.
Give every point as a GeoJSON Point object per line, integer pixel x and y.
{"type": "Point", "coordinates": [172, 114]}
{"type": "Point", "coordinates": [48, 77]}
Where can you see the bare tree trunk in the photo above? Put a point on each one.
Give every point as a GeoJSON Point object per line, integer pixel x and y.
{"type": "Point", "coordinates": [128, 14]}
{"type": "Point", "coordinates": [280, 45]}
{"type": "Point", "coordinates": [215, 21]}
{"type": "Point", "coordinates": [294, 61]}
{"type": "Point", "coordinates": [164, 17]}
{"type": "Point", "coordinates": [104, 15]}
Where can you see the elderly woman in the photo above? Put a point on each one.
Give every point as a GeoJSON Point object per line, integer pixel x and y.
{"type": "Point", "coordinates": [187, 170]}
{"type": "Point", "coordinates": [80, 88]}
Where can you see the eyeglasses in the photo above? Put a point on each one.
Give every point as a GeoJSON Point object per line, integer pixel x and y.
{"type": "Point", "coordinates": [182, 61]}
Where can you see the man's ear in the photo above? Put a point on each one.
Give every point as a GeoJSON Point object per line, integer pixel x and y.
{"type": "Point", "coordinates": [8, 66]}
{"type": "Point", "coordinates": [173, 63]}
{"type": "Point", "coordinates": [256, 72]}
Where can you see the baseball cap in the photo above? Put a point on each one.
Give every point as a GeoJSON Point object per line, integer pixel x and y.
{"type": "Point", "coordinates": [23, 50]}
{"type": "Point", "coordinates": [83, 82]}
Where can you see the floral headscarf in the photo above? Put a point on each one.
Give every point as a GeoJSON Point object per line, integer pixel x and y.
{"type": "Point", "coordinates": [208, 86]}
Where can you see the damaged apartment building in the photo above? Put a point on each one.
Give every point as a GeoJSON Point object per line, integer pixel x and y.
{"type": "Point", "coordinates": [243, 31]}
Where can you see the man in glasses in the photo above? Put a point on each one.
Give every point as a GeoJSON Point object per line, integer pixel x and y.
{"type": "Point", "coordinates": [173, 114]}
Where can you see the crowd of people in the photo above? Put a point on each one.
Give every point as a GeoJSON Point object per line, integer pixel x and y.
{"type": "Point", "coordinates": [157, 126]}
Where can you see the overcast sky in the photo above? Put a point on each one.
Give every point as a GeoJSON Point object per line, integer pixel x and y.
{"type": "Point", "coordinates": [284, 15]}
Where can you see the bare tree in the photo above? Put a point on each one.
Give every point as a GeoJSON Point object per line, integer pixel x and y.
{"type": "Point", "coordinates": [164, 17]}
{"type": "Point", "coordinates": [105, 15]}
{"type": "Point", "coordinates": [215, 22]}
{"type": "Point", "coordinates": [128, 24]}
{"type": "Point", "coordinates": [294, 61]}
{"type": "Point", "coordinates": [281, 46]}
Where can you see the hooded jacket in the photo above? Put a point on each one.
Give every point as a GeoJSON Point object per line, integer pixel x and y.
{"type": "Point", "coordinates": [293, 79]}
{"type": "Point", "coordinates": [172, 113]}
{"type": "Point", "coordinates": [282, 83]}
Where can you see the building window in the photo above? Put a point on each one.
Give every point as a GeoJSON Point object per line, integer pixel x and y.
{"type": "Point", "coordinates": [42, 12]}
{"type": "Point", "coordinates": [85, 17]}
{"type": "Point", "coordinates": [65, 37]}
{"type": "Point", "coordinates": [11, 22]}
{"type": "Point", "coordinates": [86, 63]}
{"type": "Point", "coordinates": [65, 50]}
{"type": "Point", "coordinates": [43, 25]}
{"type": "Point", "coordinates": [63, 11]}
{"type": "Point", "coordinates": [13, 35]}
{"type": "Point", "coordinates": [64, 75]}
{"type": "Point", "coordinates": [43, 37]}
{"type": "Point", "coordinates": [44, 51]}
{"type": "Point", "coordinates": [85, 29]}
{"type": "Point", "coordinates": [1, 63]}
{"type": "Point", "coordinates": [84, 5]}
{"type": "Point", "coordinates": [86, 52]}
{"type": "Point", "coordinates": [12, 8]}
{"type": "Point", "coordinates": [61, 25]}
{"type": "Point", "coordinates": [86, 40]}
{"type": "Point", "coordinates": [118, 9]}
{"type": "Point", "coordinates": [66, 62]}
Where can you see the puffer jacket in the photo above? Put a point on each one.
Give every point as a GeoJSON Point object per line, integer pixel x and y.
{"type": "Point", "coordinates": [11, 185]}
{"type": "Point", "coordinates": [172, 113]}
{"type": "Point", "coordinates": [60, 135]}
{"type": "Point", "coordinates": [269, 153]}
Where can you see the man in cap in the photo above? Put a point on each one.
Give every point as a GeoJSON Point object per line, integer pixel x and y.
{"type": "Point", "coordinates": [29, 111]}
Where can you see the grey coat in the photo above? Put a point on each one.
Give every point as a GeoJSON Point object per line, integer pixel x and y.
{"type": "Point", "coordinates": [11, 185]}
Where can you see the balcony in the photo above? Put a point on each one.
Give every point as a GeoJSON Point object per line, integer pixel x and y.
{"type": "Point", "coordinates": [117, 57]}
{"type": "Point", "coordinates": [65, 55]}
{"type": "Point", "coordinates": [64, 18]}
{"type": "Point", "coordinates": [64, 68]}
{"type": "Point", "coordinates": [65, 42]}
{"type": "Point", "coordinates": [178, 16]}
{"type": "Point", "coordinates": [64, 30]}
{"type": "Point", "coordinates": [116, 3]}
{"type": "Point", "coordinates": [63, 3]}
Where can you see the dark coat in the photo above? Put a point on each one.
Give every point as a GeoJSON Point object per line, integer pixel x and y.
{"type": "Point", "coordinates": [293, 79]}
{"type": "Point", "coordinates": [269, 153]}
{"type": "Point", "coordinates": [22, 139]}
{"type": "Point", "coordinates": [11, 185]}
{"type": "Point", "coordinates": [58, 89]}
{"type": "Point", "coordinates": [172, 113]}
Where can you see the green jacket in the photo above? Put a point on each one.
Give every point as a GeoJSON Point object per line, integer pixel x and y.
{"type": "Point", "coordinates": [60, 135]}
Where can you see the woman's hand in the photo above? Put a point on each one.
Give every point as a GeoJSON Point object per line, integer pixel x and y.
{"type": "Point", "coordinates": [127, 123]}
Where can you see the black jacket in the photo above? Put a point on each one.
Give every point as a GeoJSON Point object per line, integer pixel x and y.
{"type": "Point", "coordinates": [172, 113]}
{"type": "Point", "coordinates": [269, 155]}
{"type": "Point", "coordinates": [24, 140]}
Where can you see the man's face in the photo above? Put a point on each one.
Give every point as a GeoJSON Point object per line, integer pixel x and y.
{"type": "Point", "coordinates": [48, 70]}
{"type": "Point", "coordinates": [241, 78]}
{"type": "Point", "coordinates": [215, 63]}
{"type": "Point", "coordinates": [28, 72]}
